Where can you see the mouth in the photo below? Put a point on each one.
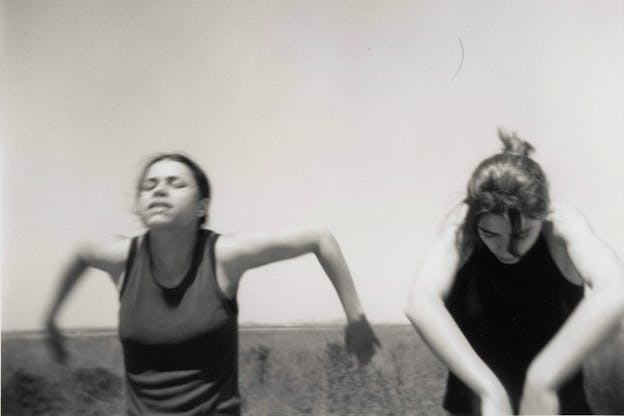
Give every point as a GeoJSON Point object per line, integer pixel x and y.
{"type": "Point", "coordinates": [508, 260]}
{"type": "Point", "coordinates": [159, 204]}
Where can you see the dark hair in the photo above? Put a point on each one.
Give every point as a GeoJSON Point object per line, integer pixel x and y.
{"type": "Point", "coordinates": [201, 179]}
{"type": "Point", "coordinates": [509, 183]}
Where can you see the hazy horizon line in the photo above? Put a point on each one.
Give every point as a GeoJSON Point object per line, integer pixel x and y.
{"type": "Point", "coordinates": [245, 326]}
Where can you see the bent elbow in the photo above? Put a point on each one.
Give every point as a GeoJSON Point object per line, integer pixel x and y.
{"type": "Point", "coordinates": [411, 314]}
{"type": "Point", "coordinates": [424, 306]}
{"type": "Point", "coordinates": [415, 310]}
{"type": "Point", "coordinates": [323, 239]}
{"type": "Point", "coordinates": [417, 317]}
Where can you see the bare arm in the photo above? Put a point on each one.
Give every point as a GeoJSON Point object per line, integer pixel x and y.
{"type": "Point", "coordinates": [238, 253]}
{"type": "Point", "coordinates": [595, 316]}
{"type": "Point", "coordinates": [427, 312]}
{"type": "Point", "coordinates": [109, 258]}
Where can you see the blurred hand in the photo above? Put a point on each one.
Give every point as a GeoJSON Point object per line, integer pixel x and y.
{"type": "Point", "coordinates": [539, 400]}
{"type": "Point", "coordinates": [56, 343]}
{"type": "Point", "coordinates": [361, 340]}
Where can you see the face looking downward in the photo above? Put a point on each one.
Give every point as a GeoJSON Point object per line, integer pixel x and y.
{"type": "Point", "coordinates": [168, 196]}
{"type": "Point", "coordinates": [496, 233]}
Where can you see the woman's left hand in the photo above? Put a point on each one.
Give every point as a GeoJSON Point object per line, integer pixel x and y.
{"type": "Point", "coordinates": [56, 342]}
{"type": "Point", "coordinates": [361, 340]}
{"type": "Point", "coordinates": [539, 400]}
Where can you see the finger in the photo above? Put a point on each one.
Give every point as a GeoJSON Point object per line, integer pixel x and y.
{"type": "Point", "coordinates": [349, 344]}
{"type": "Point", "coordinates": [59, 352]}
{"type": "Point", "coordinates": [62, 356]}
{"type": "Point", "coordinates": [365, 357]}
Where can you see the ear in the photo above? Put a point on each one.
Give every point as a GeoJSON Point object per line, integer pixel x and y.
{"type": "Point", "coordinates": [202, 207]}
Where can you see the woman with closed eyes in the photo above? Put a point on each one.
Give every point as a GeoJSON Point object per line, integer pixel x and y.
{"type": "Point", "coordinates": [502, 295]}
{"type": "Point", "coordinates": [177, 292]}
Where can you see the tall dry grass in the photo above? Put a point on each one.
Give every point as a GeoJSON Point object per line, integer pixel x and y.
{"type": "Point", "coordinates": [303, 371]}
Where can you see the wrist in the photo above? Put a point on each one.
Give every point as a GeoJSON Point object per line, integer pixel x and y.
{"type": "Point", "coordinates": [50, 319]}
{"type": "Point", "coordinates": [356, 318]}
{"type": "Point", "coordinates": [351, 306]}
{"type": "Point", "coordinates": [538, 377]}
{"type": "Point", "coordinates": [355, 314]}
{"type": "Point", "coordinates": [493, 390]}
{"type": "Point", "coordinates": [497, 393]}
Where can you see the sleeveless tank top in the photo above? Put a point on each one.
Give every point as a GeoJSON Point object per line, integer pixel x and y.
{"type": "Point", "coordinates": [180, 344]}
{"type": "Point", "coordinates": [508, 313]}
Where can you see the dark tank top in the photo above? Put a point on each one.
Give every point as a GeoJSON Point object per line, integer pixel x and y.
{"type": "Point", "coordinates": [180, 344]}
{"type": "Point", "coordinates": [508, 313]}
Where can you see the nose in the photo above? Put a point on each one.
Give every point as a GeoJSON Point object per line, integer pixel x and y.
{"type": "Point", "coordinates": [504, 247]}
{"type": "Point", "coordinates": [160, 189]}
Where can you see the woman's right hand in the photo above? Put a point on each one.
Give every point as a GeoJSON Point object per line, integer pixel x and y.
{"type": "Point", "coordinates": [110, 258]}
{"type": "Point", "coordinates": [56, 342]}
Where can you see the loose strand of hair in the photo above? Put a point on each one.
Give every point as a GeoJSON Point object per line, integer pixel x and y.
{"type": "Point", "coordinates": [513, 144]}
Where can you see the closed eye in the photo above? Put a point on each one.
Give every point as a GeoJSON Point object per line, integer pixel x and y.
{"type": "Point", "coordinates": [176, 183]}
{"type": "Point", "coordinates": [148, 184]}
{"type": "Point", "coordinates": [487, 233]}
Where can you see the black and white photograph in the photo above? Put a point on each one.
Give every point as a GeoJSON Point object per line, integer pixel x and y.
{"type": "Point", "coordinates": [325, 208]}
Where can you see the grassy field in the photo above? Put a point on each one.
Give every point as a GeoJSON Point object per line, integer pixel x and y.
{"type": "Point", "coordinates": [283, 371]}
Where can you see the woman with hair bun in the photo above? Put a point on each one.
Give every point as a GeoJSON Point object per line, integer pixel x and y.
{"type": "Point", "coordinates": [177, 289]}
{"type": "Point", "coordinates": [501, 297]}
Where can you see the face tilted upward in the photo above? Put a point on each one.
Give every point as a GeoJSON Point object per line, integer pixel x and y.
{"type": "Point", "coordinates": [168, 196]}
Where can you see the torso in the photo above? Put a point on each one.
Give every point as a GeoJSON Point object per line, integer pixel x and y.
{"type": "Point", "coordinates": [509, 312]}
{"type": "Point", "coordinates": [180, 344]}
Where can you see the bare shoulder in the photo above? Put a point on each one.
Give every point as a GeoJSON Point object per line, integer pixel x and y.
{"type": "Point", "coordinates": [227, 246]}
{"type": "Point", "coordinates": [451, 228]}
{"type": "Point", "coordinates": [444, 257]}
{"type": "Point", "coordinates": [239, 252]}
{"type": "Point", "coordinates": [566, 223]}
{"type": "Point", "coordinates": [232, 245]}
{"type": "Point", "coordinates": [580, 254]}
{"type": "Point", "coordinates": [447, 242]}
{"type": "Point", "coordinates": [236, 245]}
{"type": "Point", "coordinates": [454, 220]}
{"type": "Point", "coordinates": [233, 251]}
{"type": "Point", "coordinates": [108, 255]}
{"type": "Point", "coordinates": [227, 274]}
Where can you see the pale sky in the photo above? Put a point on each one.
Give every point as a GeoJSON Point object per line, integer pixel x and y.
{"type": "Point", "coordinates": [347, 115]}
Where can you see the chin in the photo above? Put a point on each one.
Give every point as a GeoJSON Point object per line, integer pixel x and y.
{"type": "Point", "coordinates": [513, 260]}
{"type": "Point", "coordinates": [157, 223]}
{"type": "Point", "coordinates": [154, 220]}
{"type": "Point", "coordinates": [167, 224]}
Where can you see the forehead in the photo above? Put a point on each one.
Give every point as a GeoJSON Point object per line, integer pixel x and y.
{"type": "Point", "coordinates": [167, 168]}
{"type": "Point", "coordinates": [500, 224]}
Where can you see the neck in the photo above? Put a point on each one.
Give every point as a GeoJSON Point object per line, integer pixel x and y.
{"type": "Point", "coordinates": [172, 251]}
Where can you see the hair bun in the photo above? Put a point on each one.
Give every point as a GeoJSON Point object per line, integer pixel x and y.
{"type": "Point", "coordinates": [514, 145]}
